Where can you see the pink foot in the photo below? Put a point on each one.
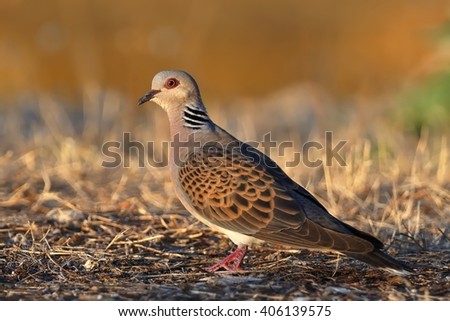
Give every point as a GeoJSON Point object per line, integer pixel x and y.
{"type": "Point", "coordinates": [232, 262]}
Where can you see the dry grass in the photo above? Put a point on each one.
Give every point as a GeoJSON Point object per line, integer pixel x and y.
{"type": "Point", "coordinates": [71, 229]}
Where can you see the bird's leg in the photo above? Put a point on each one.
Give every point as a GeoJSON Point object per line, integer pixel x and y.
{"type": "Point", "coordinates": [232, 262]}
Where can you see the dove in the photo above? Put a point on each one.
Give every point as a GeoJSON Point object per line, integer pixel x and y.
{"type": "Point", "coordinates": [239, 191]}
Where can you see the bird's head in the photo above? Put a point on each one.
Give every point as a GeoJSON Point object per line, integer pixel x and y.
{"type": "Point", "coordinates": [172, 89]}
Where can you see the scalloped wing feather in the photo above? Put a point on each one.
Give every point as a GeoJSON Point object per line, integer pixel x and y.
{"type": "Point", "coordinates": [240, 189]}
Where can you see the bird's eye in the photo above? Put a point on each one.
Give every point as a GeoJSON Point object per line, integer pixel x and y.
{"type": "Point", "coordinates": [171, 83]}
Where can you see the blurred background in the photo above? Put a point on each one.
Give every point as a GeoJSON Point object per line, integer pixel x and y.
{"type": "Point", "coordinates": [377, 69]}
{"type": "Point", "coordinates": [70, 49]}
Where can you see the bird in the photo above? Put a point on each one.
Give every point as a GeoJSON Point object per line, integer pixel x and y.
{"type": "Point", "coordinates": [239, 191]}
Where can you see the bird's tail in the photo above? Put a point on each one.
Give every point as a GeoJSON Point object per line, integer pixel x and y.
{"type": "Point", "coordinates": [383, 261]}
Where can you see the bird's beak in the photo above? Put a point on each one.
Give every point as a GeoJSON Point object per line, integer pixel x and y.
{"type": "Point", "coordinates": [148, 96]}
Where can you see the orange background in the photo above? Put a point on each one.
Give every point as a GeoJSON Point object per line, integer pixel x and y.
{"type": "Point", "coordinates": [234, 48]}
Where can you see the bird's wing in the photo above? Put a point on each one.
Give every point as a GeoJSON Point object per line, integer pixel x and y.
{"type": "Point", "coordinates": [240, 189]}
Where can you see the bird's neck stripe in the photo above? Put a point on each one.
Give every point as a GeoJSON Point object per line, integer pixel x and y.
{"type": "Point", "coordinates": [195, 118]}
{"type": "Point", "coordinates": [196, 111]}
